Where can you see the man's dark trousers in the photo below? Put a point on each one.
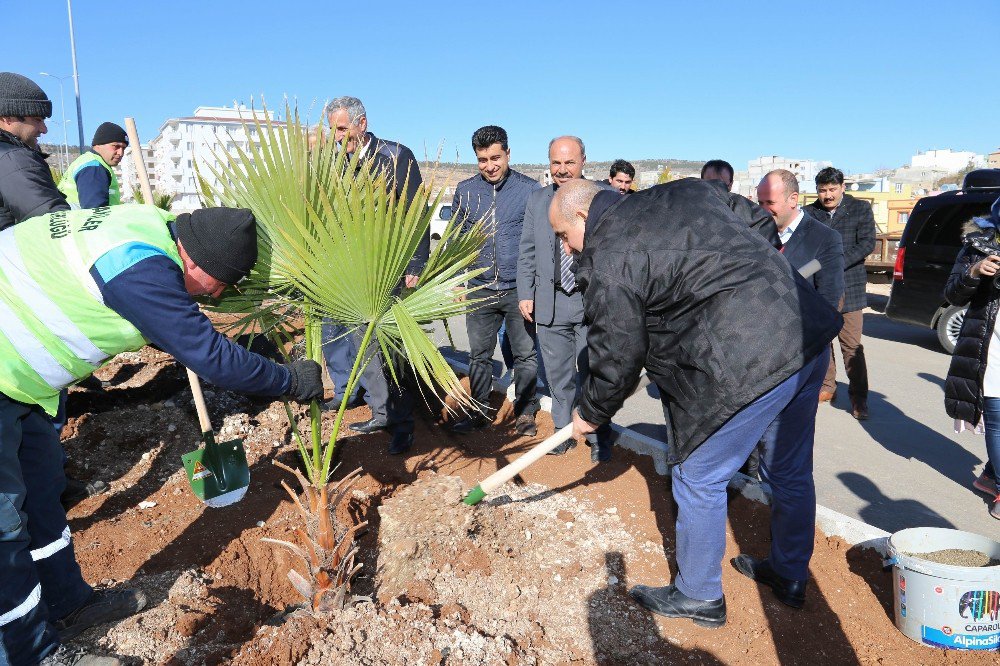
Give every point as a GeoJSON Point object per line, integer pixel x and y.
{"type": "Point", "coordinates": [564, 350]}
{"type": "Point", "coordinates": [482, 325]}
{"type": "Point", "coordinates": [339, 351]}
{"type": "Point", "coordinates": [390, 401]}
{"type": "Point", "coordinates": [786, 417]}
{"type": "Point", "coordinates": [40, 580]}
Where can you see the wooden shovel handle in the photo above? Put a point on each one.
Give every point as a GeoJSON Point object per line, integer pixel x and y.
{"type": "Point", "coordinates": [199, 402]}
{"type": "Point", "coordinates": [140, 162]}
{"type": "Point", "coordinates": [505, 474]}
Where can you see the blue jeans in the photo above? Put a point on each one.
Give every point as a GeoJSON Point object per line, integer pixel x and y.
{"type": "Point", "coordinates": [785, 417]}
{"type": "Point", "coordinates": [991, 423]}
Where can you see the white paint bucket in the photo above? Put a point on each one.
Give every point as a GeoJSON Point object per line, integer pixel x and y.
{"type": "Point", "coordinates": [943, 605]}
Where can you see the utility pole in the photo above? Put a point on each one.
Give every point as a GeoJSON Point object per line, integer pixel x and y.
{"type": "Point", "coordinates": [76, 74]}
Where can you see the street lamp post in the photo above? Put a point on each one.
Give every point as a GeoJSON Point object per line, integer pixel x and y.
{"type": "Point", "coordinates": [62, 102]}
{"type": "Point", "coordinates": [76, 74]}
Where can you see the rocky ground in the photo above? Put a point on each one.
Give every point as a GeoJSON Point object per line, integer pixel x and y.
{"type": "Point", "coordinates": [537, 575]}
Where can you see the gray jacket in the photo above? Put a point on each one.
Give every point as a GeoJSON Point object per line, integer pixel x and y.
{"type": "Point", "coordinates": [26, 185]}
{"type": "Point", "coordinates": [536, 261]}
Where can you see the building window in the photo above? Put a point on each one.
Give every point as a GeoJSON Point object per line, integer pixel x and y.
{"type": "Point", "coordinates": [903, 219]}
{"type": "Point", "coordinates": [899, 188]}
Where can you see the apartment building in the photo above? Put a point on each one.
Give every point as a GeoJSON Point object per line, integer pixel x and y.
{"type": "Point", "coordinates": [183, 142]}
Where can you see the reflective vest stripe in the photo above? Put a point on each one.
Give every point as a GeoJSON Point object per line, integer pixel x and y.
{"type": "Point", "coordinates": [35, 298]}
{"type": "Point", "coordinates": [29, 347]}
{"type": "Point", "coordinates": [24, 607]}
{"type": "Point", "coordinates": [51, 549]}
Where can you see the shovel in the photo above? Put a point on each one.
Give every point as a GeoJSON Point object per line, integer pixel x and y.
{"type": "Point", "coordinates": [505, 474]}
{"type": "Point", "coordinates": [218, 473]}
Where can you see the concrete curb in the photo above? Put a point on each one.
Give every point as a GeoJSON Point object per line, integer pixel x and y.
{"type": "Point", "coordinates": [832, 523]}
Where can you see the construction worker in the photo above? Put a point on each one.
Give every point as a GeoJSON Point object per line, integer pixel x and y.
{"type": "Point", "coordinates": [90, 181]}
{"type": "Point", "coordinates": [77, 288]}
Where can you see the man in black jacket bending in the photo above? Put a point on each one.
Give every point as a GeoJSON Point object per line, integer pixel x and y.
{"type": "Point", "coordinates": [736, 342]}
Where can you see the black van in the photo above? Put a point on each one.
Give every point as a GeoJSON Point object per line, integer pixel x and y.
{"type": "Point", "coordinates": [927, 251]}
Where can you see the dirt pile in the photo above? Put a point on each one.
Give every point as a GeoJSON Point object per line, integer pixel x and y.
{"type": "Point", "coordinates": [545, 568]}
{"type": "Point", "coordinates": [450, 584]}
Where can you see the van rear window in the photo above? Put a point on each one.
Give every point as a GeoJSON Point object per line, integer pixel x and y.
{"type": "Point", "coordinates": [943, 226]}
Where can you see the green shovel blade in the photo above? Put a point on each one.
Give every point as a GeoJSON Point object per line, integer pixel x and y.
{"type": "Point", "coordinates": [218, 473]}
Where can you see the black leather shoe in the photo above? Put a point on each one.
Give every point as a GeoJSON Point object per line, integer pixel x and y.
{"type": "Point", "coordinates": [468, 424]}
{"type": "Point", "coordinates": [334, 404]}
{"type": "Point", "coordinates": [563, 448]}
{"type": "Point", "coordinates": [369, 426]}
{"type": "Point", "coordinates": [401, 443]}
{"type": "Point", "coordinates": [102, 606]}
{"type": "Point", "coordinates": [789, 592]}
{"type": "Point", "coordinates": [77, 491]}
{"type": "Point", "coordinates": [525, 425]}
{"type": "Point", "coordinates": [670, 602]}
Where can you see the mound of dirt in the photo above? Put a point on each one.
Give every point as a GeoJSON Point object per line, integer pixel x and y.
{"type": "Point", "coordinates": [536, 575]}
{"type": "Point", "coordinates": [545, 568]}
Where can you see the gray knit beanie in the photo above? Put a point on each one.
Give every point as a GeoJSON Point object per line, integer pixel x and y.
{"type": "Point", "coordinates": [20, 96]}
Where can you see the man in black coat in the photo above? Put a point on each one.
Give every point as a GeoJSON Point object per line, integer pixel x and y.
{"type": "Point", "coordinates": [856, 223]}
{"type": "Point", "coordinates": [26, 185]}
{"type": "Point", "coordinates": [675, 282]}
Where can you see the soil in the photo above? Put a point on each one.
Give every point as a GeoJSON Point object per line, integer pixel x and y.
{"type": "Point", "coordinates": [538, 574]}
{"type": "Point", "coordinates": [957, 557]}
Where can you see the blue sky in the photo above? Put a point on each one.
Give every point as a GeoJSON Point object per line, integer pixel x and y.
{"type": "Point", "coordinates": [840, 81]}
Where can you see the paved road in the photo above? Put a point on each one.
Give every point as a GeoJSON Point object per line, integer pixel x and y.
{"type": "Point", "coordinates": [904, 467]}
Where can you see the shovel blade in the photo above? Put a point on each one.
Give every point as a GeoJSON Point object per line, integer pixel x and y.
{"type": "Point", "coordinates": [218, 473]}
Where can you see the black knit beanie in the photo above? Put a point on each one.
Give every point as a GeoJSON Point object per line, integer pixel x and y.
{"type": "Point", "coordinates": [20, 96]}
{"type": "Point", "coordinates": [221, 241]}
{"type": "Point", "coordinates": [109, 133]}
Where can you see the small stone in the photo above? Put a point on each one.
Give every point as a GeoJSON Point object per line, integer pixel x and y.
{"type": "Point", "coordinates": [527, 535]}
{"type": "Point", "coordinates": [147, 505]}
{"type": "Point", "coordinates": [168, 404]}
{"type": "Point", "coordinates": [145, 456]}
{"type": "Point", "coordinates": [276, 444]}
{"type": "Point", "coordinates": [171, 428]}
{"type": "Point", "coordinates": [557, 578]}
{"type": "Point", "coordinates": [260, 523]}
{"type": "Point", "coordinates": [611, 510]}
{"type": "Point", "coordinates": [612, 580]}
{"type": "Point", "coordinates": [177, 491]}
{"type": "Point", "coordinates": [569, 524]}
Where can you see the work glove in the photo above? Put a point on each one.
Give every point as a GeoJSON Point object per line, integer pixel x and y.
{"type": "Point", "coordinates": [307, 380]}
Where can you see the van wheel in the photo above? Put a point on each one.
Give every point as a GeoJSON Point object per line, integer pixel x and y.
{"type": "Point", "coordinates": [949, 325]}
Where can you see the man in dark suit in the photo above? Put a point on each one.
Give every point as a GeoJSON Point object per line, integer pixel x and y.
{"type": "Point", "coordinates": [548, 296]}
{"type": "Point", "coordinates": [392, 406]}
{"type": "Point", "coordinates": [856, 224]}
{"type": "Point", "coordinates": [803, 237]}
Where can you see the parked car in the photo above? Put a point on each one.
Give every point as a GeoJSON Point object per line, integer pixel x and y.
{"type": "Point", "coordinates": [442, 215]}
{"type": "Point", "coordinates": [927, 251]}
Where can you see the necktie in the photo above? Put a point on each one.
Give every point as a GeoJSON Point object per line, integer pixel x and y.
{"type": "Point", "coordinates": [566, 277]}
